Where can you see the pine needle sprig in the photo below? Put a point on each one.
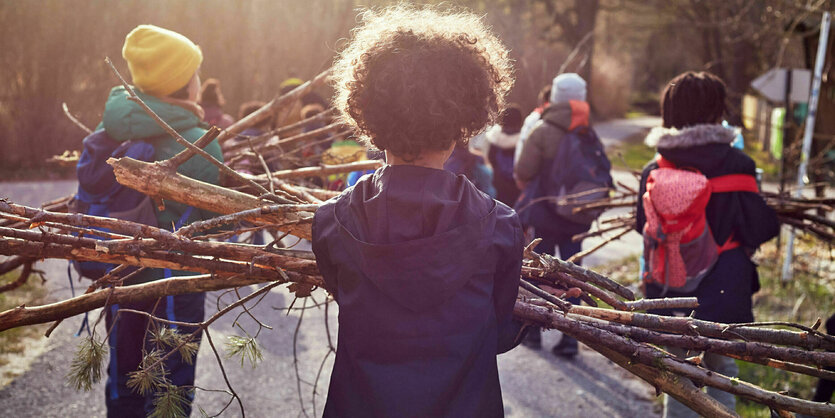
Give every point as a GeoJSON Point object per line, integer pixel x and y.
{"type": "Point", "coordinates": [150, 376]}
{"type": "Point", "coordinates": [86, 366]}
{"type": "Point", "coordinates": [188, 352]}
{"type": "Point", "coordinates": [171, 338]}
{"type": "Point", "coordinates": [245, 347]}
{"type": "Point", "coordinates": [164, 337]}
{"type": "Point", "coordinates": [171, 401]}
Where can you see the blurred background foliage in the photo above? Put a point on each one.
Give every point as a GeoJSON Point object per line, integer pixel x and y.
{"type": "Point", "coordinates": [53, 51]}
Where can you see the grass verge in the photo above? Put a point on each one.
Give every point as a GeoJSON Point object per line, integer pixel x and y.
{"type": "Point", "coordinates": [18, 346]}
{"type": "Point", "coordinates": [631, 153]}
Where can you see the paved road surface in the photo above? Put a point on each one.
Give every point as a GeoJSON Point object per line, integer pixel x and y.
{"type": "Point", "coordinates": [535, 383]}
{"type": "Point", "coordinates": [615, 130]}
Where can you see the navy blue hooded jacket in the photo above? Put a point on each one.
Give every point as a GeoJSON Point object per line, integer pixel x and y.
{"type": "Point", "coordinates": [425, 269]}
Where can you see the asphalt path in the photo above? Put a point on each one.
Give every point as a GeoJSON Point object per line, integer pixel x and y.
{"type": "Point", "coordinates": [534, 382]}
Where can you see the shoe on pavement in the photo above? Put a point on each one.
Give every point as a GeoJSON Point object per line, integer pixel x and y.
{"type": "Point", "coordinates": [567, 348]}
{"type": "Point", "coordinates": [533, 338]}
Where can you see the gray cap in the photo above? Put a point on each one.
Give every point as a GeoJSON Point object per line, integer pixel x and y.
{"type": "Point", "coordinates": [567, 87]}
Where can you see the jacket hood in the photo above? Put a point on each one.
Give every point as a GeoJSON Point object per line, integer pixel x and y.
{"type": "Point", "coordinates": [124, 119]}
{"type": "Point", "coordinates": [691, 136]}
{"type": "Point", "coordinates": [568, 115]}
{"type": "Point", "coordinates": [418, 233]}
{"type": "Point", "coordinates": [496, 137]}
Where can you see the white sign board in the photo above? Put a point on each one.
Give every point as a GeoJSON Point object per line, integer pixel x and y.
{"type": "Point", "coordinates": [772, 85]}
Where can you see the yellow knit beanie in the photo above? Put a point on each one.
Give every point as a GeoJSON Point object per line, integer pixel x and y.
{"type": "Point", "coordinates": [160, 61]}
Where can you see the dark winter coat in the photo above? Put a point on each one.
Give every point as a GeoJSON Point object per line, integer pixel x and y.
{"type": "Point", "coordinates": [214, 116]}
{"type": "Point", "coordinates": [472, 166]}
{"type": "Point", "coordinates": [538, 153]}
{"type": "Point", "coordinates": [502, 146]}
{"type": "Point", "coordinates": [725, 294]}
{"type": "Point", "coordinates": [425, 270]}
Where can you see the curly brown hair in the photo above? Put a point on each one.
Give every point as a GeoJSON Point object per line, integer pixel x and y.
{"type": "Point", "coordinates": [420, 79]}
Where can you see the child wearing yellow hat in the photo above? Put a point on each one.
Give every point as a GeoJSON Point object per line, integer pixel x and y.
{"type": "Point", "coordinates": [163, 65]}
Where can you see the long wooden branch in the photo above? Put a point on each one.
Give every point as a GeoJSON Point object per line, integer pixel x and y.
{"type": "Point", "coordinates": [653, 357]}
{"type": "Point", "coordinates": [120, 226]}
{"type": "Point", "coordinates": [20, 280]}
{"type": "Point", "coordinates": [664, 303]}
{"type": "Point", "coordinates": [260, 139]}
{"type": "Point", "coordinates": [273, 106]}
{"type": "Point", "coordinates": [334, 127]}
{"type": "Point", "coordinates": [682, 390]}
{"type": "Point", "coordinates": [691, 326]}
{"type": "Point", "coordinates": [787, 366]}
{"type": "Point", "coordinates": [246, 215]}
{"type": "Point", "coordinates": [699, 343]}
{"type": "Point", "coordinates": [23, 315]}
{"type": "Point", "coordinates": [324, 170]}
{"type": "Point", "coordinates": [152, 180]}
{"type": "Point", "coordinates": [319, 117]}
{"type": "Point", "coordinates": [13, 263]}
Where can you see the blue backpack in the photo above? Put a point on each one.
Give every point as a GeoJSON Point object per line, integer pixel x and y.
{"type": "Point", "coordinates": [502, 160]}
{"type": "Point", "coordinates": [99, 194]}
{"type": "Point", "coordinates": [579, 169]}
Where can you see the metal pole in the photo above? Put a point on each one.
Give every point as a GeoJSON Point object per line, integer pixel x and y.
{"type": "Point", "coordinates": [807, 134]}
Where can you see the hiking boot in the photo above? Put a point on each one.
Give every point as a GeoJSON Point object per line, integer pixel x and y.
{"type": "Point", "coordinates": [567, 347]}
{"type": "Point", "coordinates": [533, 338]}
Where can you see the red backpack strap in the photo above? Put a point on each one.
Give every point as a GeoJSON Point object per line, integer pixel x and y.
{"type": "Point", "coordinates": [722, 184]}
{"type": "Point", "coordinates": [664, 163]}
{"type": "Point", "coordinates": [730, 244]}
{"type": "Point", "coordinates": [734, 183]}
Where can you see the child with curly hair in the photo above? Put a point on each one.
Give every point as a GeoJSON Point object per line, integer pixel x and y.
{"type": "Point", "coordinates": [425, 268]}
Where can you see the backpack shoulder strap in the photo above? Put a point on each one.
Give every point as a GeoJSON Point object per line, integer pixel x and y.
{"type": "Point", "coordinates": [722, 184]}
{"type": "Point", "coordinates": [664, 163]}
{"type": "Point", "coordinates": [734, 183]}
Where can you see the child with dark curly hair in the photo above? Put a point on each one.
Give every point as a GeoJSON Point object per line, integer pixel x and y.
{"type": "Point", "coordinates": [425, 268]}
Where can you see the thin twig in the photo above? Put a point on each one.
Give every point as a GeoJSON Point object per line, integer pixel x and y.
{"type": "Point", "coordinates": [223, 372]}
{"type": "Point", "coordinates": [579, 256]}
{"type": "Point", "coordinates": [75, 120]}
{"type": "Point", "coordinates": [296, 356]}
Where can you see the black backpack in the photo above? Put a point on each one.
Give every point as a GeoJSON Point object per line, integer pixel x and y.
{"type": "Point", "coordinates": [580, 171]}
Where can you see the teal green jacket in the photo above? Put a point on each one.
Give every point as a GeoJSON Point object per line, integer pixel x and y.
{"type": "Point", "coordinates": [125, 120]}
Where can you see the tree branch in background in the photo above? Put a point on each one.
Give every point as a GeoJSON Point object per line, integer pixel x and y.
{"type": "Point", "coordinates": [75, 120]}
{"type": "Point", "coordinates": [273, 106]}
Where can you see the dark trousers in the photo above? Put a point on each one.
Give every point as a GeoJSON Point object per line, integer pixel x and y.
{"type": "Point", "coordinates": [131, 335]}
{"type": "Point", "coordinates": [567, 248]}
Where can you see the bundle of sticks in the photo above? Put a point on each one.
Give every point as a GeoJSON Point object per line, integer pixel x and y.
{"type": "Point", "coordinates": [802, 213]}
{"type": "Point", "coordinates": [278, 201]}
{"type": "Point", "coordinates": [805, 214]}
{"type": "Point", "coordinates": [629, 338]}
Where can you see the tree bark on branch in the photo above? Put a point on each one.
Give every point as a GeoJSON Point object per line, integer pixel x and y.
{"type": "Point", "coordinates": [152, 180]}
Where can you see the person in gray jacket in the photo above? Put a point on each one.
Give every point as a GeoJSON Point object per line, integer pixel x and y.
{"type": "Point", "coordinates": [567, 111]}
